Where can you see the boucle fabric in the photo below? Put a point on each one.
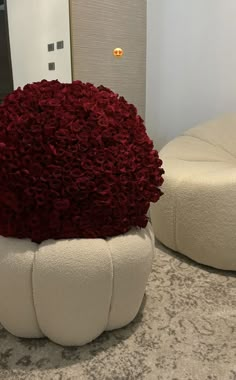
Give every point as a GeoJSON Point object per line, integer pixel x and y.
{"type": "Point", "coordinates": [197, 214]}
{"type": "Point", "coordinates": [73, 290]}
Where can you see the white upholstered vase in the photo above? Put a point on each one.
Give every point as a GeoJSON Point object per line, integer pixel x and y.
{"type": "Point", "coordinates": [72, 290]}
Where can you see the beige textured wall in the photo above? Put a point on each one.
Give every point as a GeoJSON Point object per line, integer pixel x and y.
{"type": "Point", "coordinates": [97, 27]}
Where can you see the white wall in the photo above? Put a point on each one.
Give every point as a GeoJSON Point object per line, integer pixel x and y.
{"type": "Point", "coordinates": [32, 25]}
{"type": "Point", "coordinates": [191, 64]}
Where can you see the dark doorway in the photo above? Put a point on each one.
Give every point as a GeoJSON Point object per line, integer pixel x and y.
{"type": "Point", "coordinates": [6, 79]}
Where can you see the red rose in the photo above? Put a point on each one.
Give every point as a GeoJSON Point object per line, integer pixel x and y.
{"type": "Point", "coordinates": [61, 204]}
{"type": "Point", "coordinates": [75, 162]}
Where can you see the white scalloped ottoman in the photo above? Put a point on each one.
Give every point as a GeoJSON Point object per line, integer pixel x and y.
{"type": "Point", "coordinates": [72, 290]}
{"type": "Point", "coordinates": [197, 214]}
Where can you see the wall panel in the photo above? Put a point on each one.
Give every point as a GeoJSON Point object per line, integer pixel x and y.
{"type": "Point", "coordinates": [33, 24]}
{"type": "Point", "coordinates": [97, 27]}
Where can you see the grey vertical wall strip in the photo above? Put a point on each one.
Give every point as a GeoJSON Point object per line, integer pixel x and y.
{"type": "Point", "coordinates": [6, 77]}
{"type": "Point", "coordinates": [97, 27]}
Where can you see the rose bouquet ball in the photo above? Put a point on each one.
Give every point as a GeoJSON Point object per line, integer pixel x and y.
{"type": "Point", "coordinates": [75, 162]}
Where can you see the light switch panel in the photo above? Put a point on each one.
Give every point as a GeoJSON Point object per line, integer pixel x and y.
{"type": "Point", "coordinates": [51, 66]}
{"type": "Point", "coordinates": [60, 44]}
{"type": "Point", "coordinates": [50, 47]}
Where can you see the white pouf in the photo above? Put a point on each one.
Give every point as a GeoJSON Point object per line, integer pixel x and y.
{"type": "Point", "coordinates": [72, 290]}
{"type": "Point", "coordinates": [197, 213]}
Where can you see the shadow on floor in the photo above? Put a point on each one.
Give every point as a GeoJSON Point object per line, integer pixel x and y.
{"type": "Point", "coordinates": [52, 356]}
{"type": "Point", "coordinates": [188, 261]}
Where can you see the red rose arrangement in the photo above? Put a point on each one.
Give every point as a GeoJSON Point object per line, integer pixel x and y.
{"type": "Point", "coordinates": [75, 162]}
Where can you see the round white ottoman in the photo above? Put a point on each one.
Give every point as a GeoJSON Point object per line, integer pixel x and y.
{"type": "Point", "coordinates": [197, 213]}
{"type": "Point", "coordinates": [72, 290]}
